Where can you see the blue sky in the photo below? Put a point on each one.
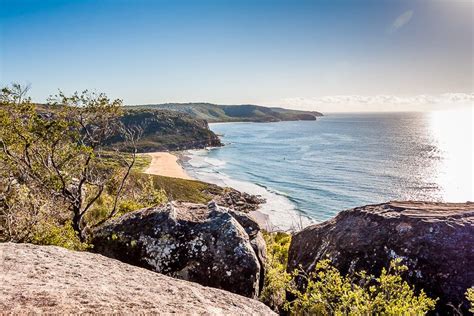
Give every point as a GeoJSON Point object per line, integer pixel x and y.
{"type": "Point", "coordinates": [266, 52]}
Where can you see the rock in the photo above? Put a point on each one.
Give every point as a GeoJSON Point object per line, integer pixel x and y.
{"type": "Point", "coordinates": [209, 245]}
{"type": "Point", "coordinates": [435, 240]}
{"type": "Point", "coordinates": [239, 201]}
{"type": "Point", "coordinates": [52, 280]}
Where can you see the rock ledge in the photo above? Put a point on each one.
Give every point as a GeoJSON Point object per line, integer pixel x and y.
{"type": "Point", "coordinates": [48, 279]}
{"type": "Point", "coordinates": [435, 240]}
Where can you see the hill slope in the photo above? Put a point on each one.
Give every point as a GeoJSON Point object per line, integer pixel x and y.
{"type": "Point", "coordinates": [168, 130]}
{"type": "Point", "coordinates": [233, 113]}
{"type": "Point", "coordinates": [162, 130]}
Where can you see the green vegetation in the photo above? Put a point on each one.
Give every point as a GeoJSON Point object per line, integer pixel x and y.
{"type": "Point", "coordinates": [175, 189]}
{"type": "Point", "coordinates": [186, 190]}
{"type": "Point", "coordinates": [116, 159]}
{"type": "Point", "coordinates": [158, 129]}
{"type": "Point", "coordinates": [164, 130]}
{"type": "Point", "coordinates": [277, 280]}
{"type": "Point", "coordinates": [233, 113]}
{"type": "Point", "coordinates": [56, 180]}
{"type": "Point", "coordinates": [327, 292]}
{"type": "Point", "coordinates": [63, 170]}
{"type": "Point", "coordinates": [470, 298]}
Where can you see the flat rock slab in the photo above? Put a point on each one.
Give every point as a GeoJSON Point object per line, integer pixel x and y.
{"type": "Point", "coordinates": [435, 241]}
{"type": "Point", "coordinates": [48, 279]}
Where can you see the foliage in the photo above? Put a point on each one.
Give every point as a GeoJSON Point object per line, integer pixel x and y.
{"type": "Point", "coordinates": [51, 163]}
{"type": "Point", "coordinates": [114, 159]}
{"type": "Point", "coordinates": [234, 113]}
{"type": "Point", "coordinates": [186, 190]}
{"type": "Point", "coordinates": [470, 298]}
{"type": "Point", "coordinates": [139, 192]}
{"type": "Point", "coordinates": [277, 279]}
{"type": "Point", "coordinates": [326, 292]}
{"type": "Point", "coordinates": [50, 233]}
{"type": "Point", "coordinates": [164, 130]}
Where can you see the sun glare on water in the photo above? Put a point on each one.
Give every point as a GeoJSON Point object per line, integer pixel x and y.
{"type": "Point", "coordinates": [452, 132]}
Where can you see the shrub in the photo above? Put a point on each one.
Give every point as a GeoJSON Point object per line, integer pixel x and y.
{"type": "Point", "coordinates": [276, 278]}
{"type": "Point", "coordinates": [138, 192]}
{"type": "Point", "coordinates": [52, 168]}
{"type": "Point", "coordinates": [470, 298]}
{"type": "Point", "coordinates": [49, 233]}
{"type": "Point", "coordinates": [327, 292]}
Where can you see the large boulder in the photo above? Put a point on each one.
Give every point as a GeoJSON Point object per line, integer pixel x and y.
{"type": "Point", "coordinates": [435, 240]}
{"type": "Point", "coordinates": [52, 280]}
{"type": "Point", "coordinates": [210, 245]}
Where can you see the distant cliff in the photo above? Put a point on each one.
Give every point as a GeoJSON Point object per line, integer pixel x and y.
{"type": "Point", "coordinates": [167, 130]}
{"type": "Point", "coordinates": [233, 113]}
{"type": "Point", "coordinates": [162, 129]}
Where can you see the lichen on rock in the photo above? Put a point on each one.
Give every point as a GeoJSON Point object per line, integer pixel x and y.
{"type": "Point", "coordinates": [434, 240]}
{"type": "Point", "coordinates": [211, 245]}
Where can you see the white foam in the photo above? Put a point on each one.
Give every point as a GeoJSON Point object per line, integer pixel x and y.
{"type": "Point", "coordinates": [281, 212]}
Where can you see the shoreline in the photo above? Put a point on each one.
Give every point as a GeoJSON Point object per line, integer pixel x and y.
{"type": "Point", "coordinates": [276, 214]}
{"type": "Point", "coordinates": [173, 164]}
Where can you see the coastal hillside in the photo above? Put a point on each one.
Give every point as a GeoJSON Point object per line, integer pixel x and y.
{"type": "Point", "coordinates": [166, 130]}
{"type": "Point", "coordinates": [234, 113]}
{"type": "Point", "coordinates": [161, 130]}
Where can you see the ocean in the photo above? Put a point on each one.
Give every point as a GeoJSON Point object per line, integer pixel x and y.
{"type": "Point", "coordinates": [310, 170]}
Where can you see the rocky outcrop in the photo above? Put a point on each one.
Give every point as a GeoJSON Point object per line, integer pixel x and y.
{"type": "Point", "coordinates": [435, 240]}
{"type": "Point", "coordinates": [210, 245]}
{"type": "Point", "coordinates": [53, 280]}
{"type": "Point", "coordinates": [239, 201]}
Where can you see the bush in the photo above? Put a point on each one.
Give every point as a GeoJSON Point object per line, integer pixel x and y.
{"type": "Point", "coordinates": [470, 298]}
{"type": "Point", "coordinates": [327, 292]}
{"type": "Point", "coordinates": [276, 278]}
{"type": "Point", "coordinates": [49, 233]}
{"type": "Point", "coordinates": [55, 173]}
{"type": "Point", "coordinates": [138, 192]}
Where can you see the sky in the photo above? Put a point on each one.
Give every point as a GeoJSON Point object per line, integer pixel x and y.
{"type": "Point", "coordinates": [323, 55]}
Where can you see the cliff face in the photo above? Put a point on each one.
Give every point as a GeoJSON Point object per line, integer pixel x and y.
{"type": "Point", "coordinates": [53, 280]}
{"type": "Point", "coordinates": [435, 241]}
{"type": "Point", "coordinates": [162, 130]}
{"type": "Point", "coordinates": [167, 130]}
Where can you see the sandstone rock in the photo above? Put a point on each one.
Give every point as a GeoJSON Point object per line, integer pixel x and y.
{"type": "Point", "coordinates": [210, 245]}
{"type": "Point", "coordinates": [53, 280]}
{"type": "Point", "coordinates": [435, 240]}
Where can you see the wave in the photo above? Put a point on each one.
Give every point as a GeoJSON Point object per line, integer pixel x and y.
{"type": "Point", "coordinates": [281, 212]}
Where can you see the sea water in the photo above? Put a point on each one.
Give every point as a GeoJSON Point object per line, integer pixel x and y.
{"type": "Point", "coordinates": [308, 171]}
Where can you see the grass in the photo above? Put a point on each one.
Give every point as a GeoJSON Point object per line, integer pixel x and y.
{"type": "Point", "coordinates": [114, 159]}
{"type": "Point", "coordinates": [186, 190]}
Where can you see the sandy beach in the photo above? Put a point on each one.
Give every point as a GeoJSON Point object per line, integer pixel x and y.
{"type": "Point", "coordinates": [166, 164]}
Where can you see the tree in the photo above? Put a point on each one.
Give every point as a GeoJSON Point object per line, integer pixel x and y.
{"type": "Point", "coordinates": [54, 153]}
